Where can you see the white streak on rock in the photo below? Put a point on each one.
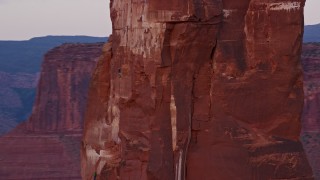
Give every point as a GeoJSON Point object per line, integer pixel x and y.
{"type": "Point", "coordinates": [287, 6]}
{"type": "Point", "coordinates": [180, 165]}
{"type": "Point", "coordinates": [227, 12]}
{"type": "Point", "coordinates": [173, 110]}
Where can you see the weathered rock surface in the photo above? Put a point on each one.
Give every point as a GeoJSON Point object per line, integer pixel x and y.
{"type": "Point", "coordinates": [198, 90]}
{"type": "Point", "coordinates": [311, 113]}
{"type": "Point", "coordinates": [47, 146]}
{"type": "Point", "coordinates": [64, 81]}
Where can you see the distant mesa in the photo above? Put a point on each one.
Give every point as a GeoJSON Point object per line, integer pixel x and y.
{"type": "Point", "coordinates": [26, 56]}
{"type": "Point", "coordinates": [47, 146]}
{"type": "Point", "coordinates": [62, 89]}
{"type": "Point", "coordinates": [311, 33]}
{"type": "Point", "coordinates": [20, 63]}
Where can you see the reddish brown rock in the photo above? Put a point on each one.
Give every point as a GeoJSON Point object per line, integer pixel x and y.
{"type": "Point", "coordinates": [40, 156]}
{"type": "Point", "coordinates": [47, 146]}
{"type": "Point", "coordinates": [61, 96]}
{"type": "Point", "coordinates": [198, 90]}
{"type": "Point", "coordinates": [311, 115]}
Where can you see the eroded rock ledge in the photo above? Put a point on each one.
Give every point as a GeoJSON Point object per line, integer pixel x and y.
{"type": "Point", "coordinates": [198, 90]}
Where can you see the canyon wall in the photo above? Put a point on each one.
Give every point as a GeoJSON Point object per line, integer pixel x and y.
{"type": "Point", "coordinates": [20, 63]}
{"type": "Point", "coordinates": [47, 146]}
{"type": "Point", "coordinates": [311, 114]}
{"type": "Point", "coordinates": [64, 81]}
{"type": "Point", "coordinates": [207, 89]}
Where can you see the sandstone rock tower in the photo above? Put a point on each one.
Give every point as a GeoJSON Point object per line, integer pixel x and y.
{"type": "Point", "coordinates": [208, 89]}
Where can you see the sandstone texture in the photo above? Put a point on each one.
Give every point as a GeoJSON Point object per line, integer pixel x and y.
{"type": "Point", "coordinates": [47, 146]}
{"type": "Point", "coordinates": [208, 89]}
{"type": "Point", "coordinates": [311, 113]}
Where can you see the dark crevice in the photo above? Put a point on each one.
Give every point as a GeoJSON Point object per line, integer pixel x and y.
{"type": "Point", "coordinates": [213, 51]}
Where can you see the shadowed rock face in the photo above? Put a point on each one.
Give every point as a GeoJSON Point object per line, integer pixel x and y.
{"type": "Point", "coordinates": [198, 90]}
{"type": "Point", "coordinates": [311, 115]}
{"type": "Point", "coordinates": [17, 91]}
{"type": "Point", "coordinates": [47, 146]}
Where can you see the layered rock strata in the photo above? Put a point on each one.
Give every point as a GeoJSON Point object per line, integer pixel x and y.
{"type": "Point", "coordinates": [198, 90]}
{"type": "Point", "coordinates": [311, 114]}
{"type": "Point", "coordinates": [47, 146]}
{"type": "Point", "coordinates": [63, 86]}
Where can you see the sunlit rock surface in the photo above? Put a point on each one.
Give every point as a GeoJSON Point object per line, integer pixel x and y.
{"type": "Point", "coordinates": [47, 146]}
{"type": "Point", "coordinates": [198, 90]}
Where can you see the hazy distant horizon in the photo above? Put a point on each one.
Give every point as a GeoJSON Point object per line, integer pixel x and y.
{"type": "Point", "coordinates": [58, 35]}
{"type": "Point", "coordinates": [25, 19]}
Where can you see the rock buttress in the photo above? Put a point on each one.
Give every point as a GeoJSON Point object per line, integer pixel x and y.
{"type": "Point", "coordinates": [198, 90]}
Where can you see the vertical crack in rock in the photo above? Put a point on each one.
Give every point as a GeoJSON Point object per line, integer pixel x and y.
{"type": "Point", "coordinates": [100, 147]}
{"type": "Point", "coordinates": [197, 90]}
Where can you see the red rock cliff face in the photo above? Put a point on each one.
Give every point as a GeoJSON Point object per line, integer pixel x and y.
{"type": "Point", "coordinates": [61, 96]}
{"type": "Point", "coordinates": [311, 115]}
{"type": "Point", "coordinates": [47, 145]}
{"type": "Point", "coordinates": [198, 90]}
